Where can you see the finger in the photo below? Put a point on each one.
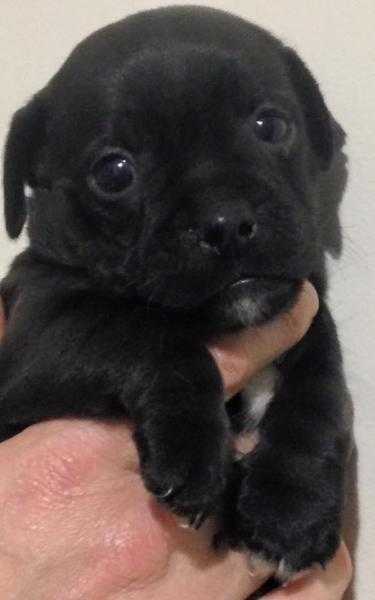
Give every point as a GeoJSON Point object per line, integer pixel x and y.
{"type": "Point", "coordinates": [321, 584]}
{"type": "Point", "coordinates": [242, 355]}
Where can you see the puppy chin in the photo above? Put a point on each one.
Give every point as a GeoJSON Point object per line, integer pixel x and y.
{"type": "Point", "coordinates": [182, 292]}
{"type": "Point", "coordinates": [251, 301]}
{"type": "Point", "coordinates": [246, 302]}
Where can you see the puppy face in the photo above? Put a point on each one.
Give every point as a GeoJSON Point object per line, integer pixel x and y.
{"type": "Point", "coordinates": [174, 159]}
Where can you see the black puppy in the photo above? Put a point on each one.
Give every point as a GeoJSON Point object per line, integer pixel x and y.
{"type": "Point", "coordinates": [174, 165]}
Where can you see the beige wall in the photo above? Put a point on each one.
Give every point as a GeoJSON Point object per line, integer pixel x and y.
{"type": "Point", "coordinates": [336, 37]}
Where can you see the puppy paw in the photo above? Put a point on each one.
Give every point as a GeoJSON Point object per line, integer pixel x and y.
{"type": "Point", "coordinates": [284, 526]}
{"type": "Point", "coordinates": [185, 468]}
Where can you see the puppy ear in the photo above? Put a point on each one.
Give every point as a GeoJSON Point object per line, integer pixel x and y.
{"type": "Point", "coordinates": [23, 143]}
{"type": "Point", "coordinates": [319, 123]}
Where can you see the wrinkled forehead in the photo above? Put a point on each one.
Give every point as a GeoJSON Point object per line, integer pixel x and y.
{"type": "Point", "coordinates": [197, 75]}
{"type": "Point", "coordinates": [197, 85]}
{"type": "Point", "coordinates": [164, 92]}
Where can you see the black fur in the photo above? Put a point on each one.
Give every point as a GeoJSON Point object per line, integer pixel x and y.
{"type": "Point", "coordinates": [111, 306]}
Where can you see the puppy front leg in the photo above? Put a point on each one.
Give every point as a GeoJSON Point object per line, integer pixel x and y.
{"type": "Point", "coordinates": [182, 433]}
{"type": "Point", "coordinates": [92, 358]}
{"type": "Point", "coordinates": [286, 500]}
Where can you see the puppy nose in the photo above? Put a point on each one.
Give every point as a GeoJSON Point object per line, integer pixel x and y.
{"type": "Point", "coordinates": [229, 234]}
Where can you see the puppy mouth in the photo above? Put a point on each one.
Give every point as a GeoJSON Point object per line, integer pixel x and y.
{"type": "Point", "coordinates": [248, 285]}
{"type": "Point", "coordinates": [252, 300]}
{"type": "Point", "coordinates": [224, 303]}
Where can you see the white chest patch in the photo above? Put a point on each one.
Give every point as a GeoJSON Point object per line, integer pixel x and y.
{"type": "Point", "coordinates": [259, 393]}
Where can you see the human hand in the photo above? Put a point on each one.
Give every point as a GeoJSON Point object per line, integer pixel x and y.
{"type": "Point", "coordinates": [77, 522]}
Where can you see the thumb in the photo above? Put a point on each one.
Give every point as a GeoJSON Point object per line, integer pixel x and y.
{"type": "Point", "coordinates": [240, 356]}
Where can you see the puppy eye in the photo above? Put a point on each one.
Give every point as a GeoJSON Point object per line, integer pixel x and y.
{"type": "Point", "coordinates": [112, 174]}
{"type": "Point", "coordinates": [271, 128]}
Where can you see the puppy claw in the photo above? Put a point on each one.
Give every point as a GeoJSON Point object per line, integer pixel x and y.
{"type": "Point", "coordinates": [259, 566]}
{"type": "Point", "coordinates": [165, 495]}
{"type": "Point", "coordinates": [183, 523]}
{"type": "Point", "coordinates": [238, 455]}
{"type": "Point", "coordinates": [284, 573]}
{"type": "Point", "coordinates": [197, 520]}
{"type": "Point", "coordinates": [194, 522]}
